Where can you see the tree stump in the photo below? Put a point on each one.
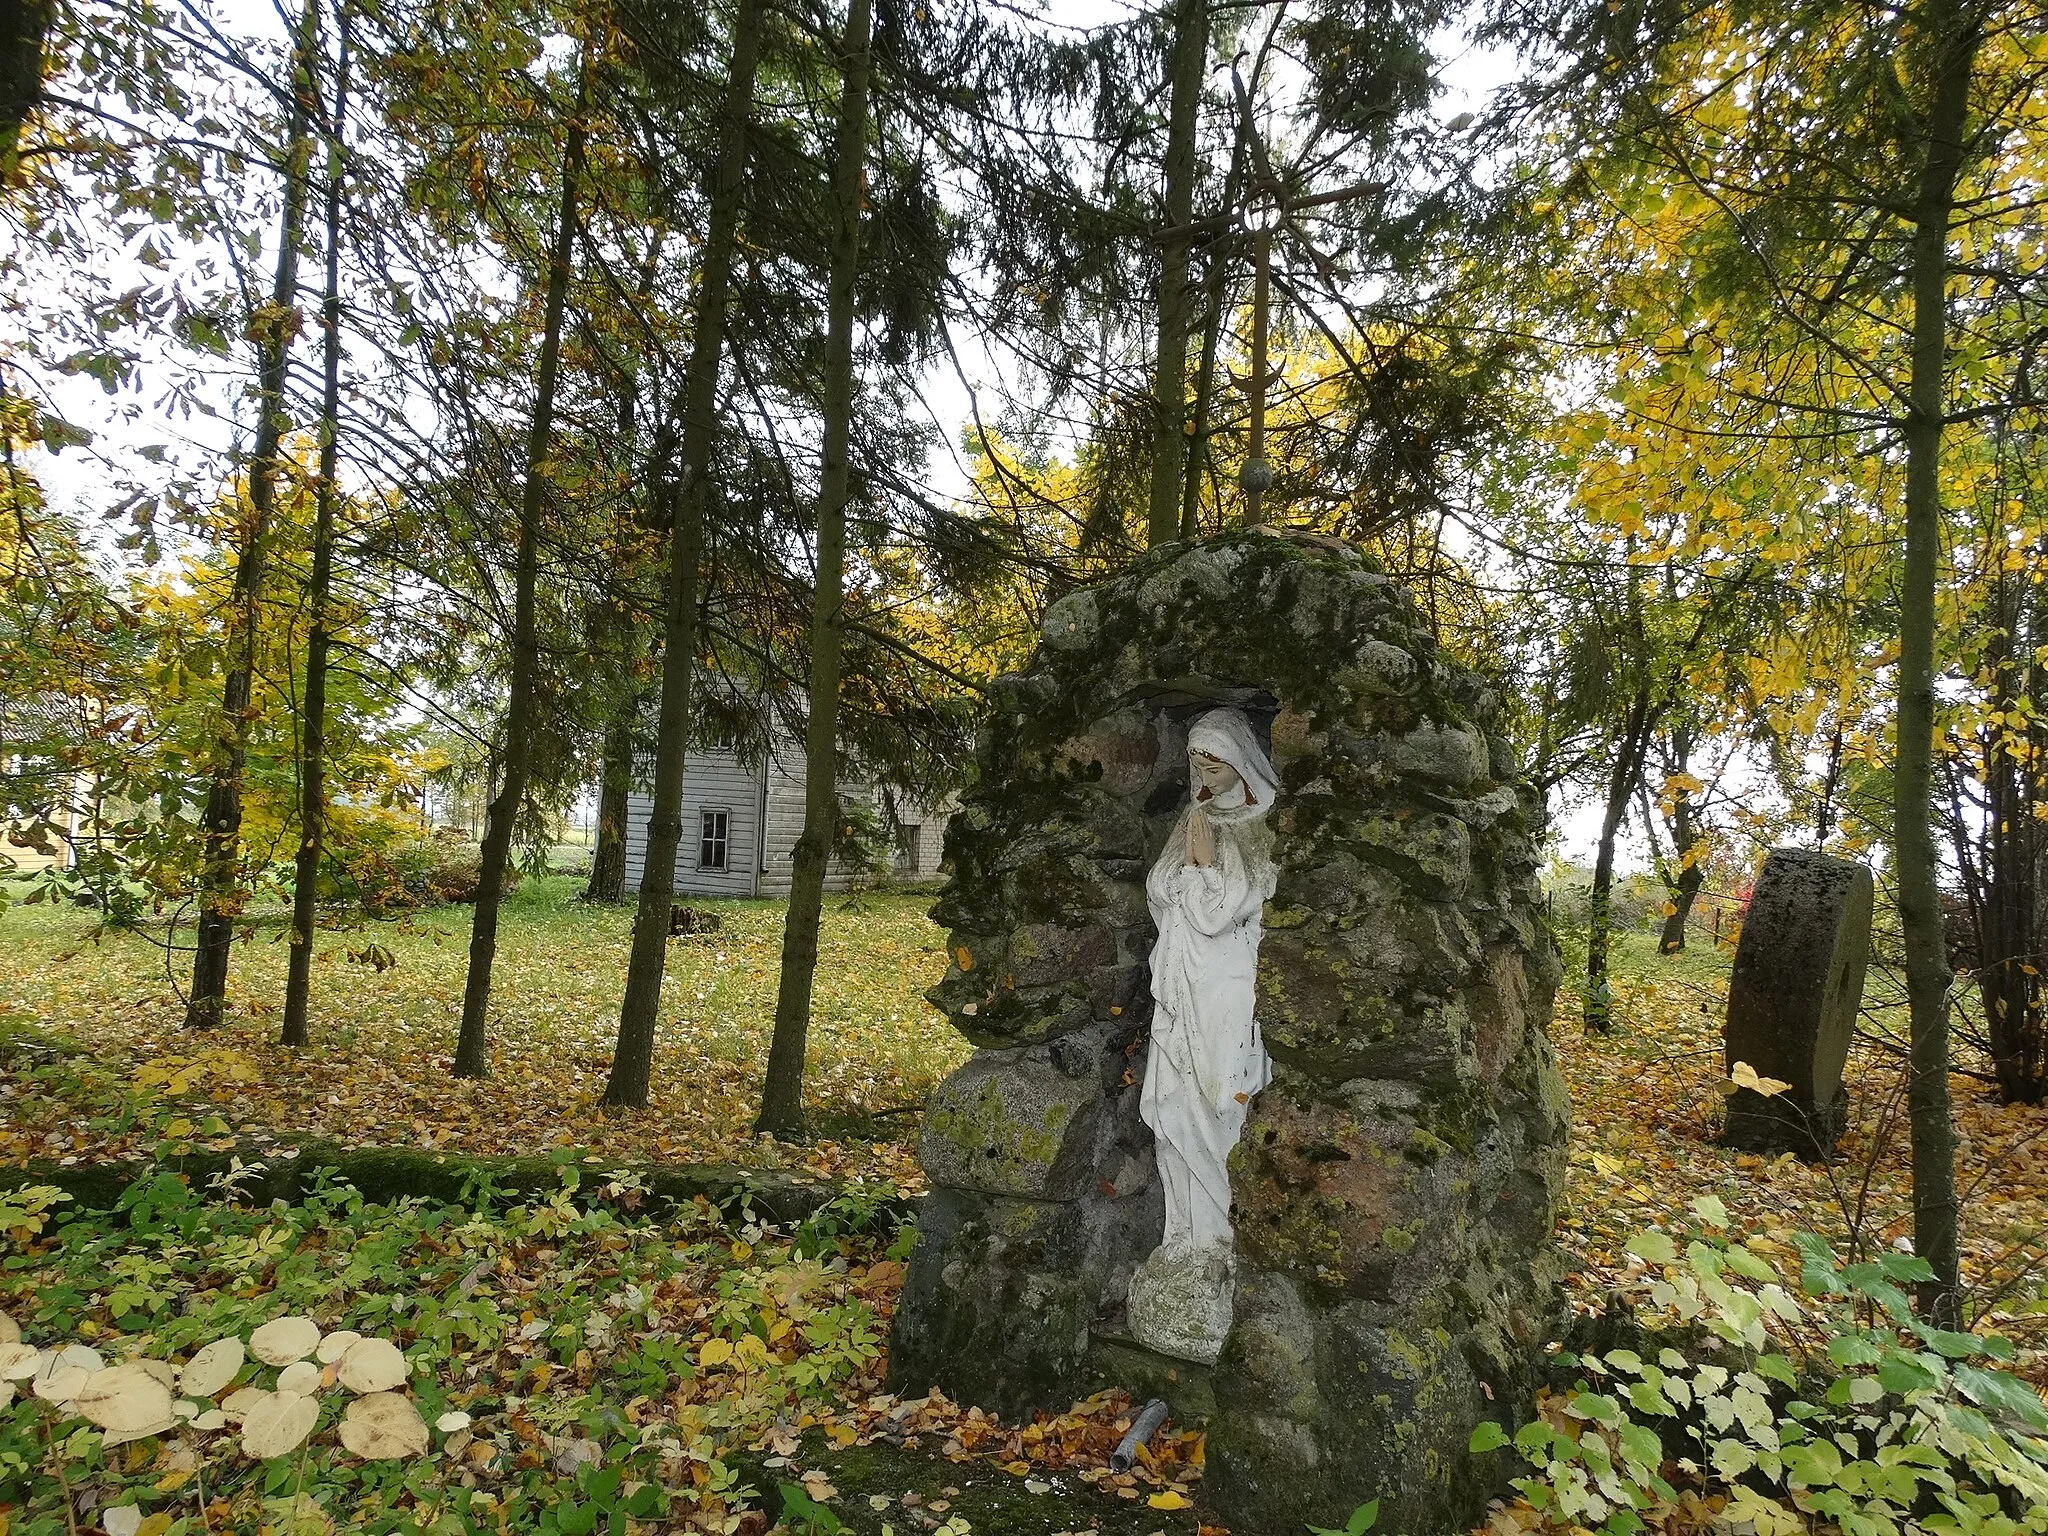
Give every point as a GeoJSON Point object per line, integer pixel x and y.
{"type": "Point", "coordinates": [1793, 1000]}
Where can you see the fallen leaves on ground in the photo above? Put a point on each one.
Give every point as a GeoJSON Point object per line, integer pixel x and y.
{"type": "Point", "coordinates": [1647, 1104]}
{"type": "Point", "coordinates": [1646, 1118]}
{"type": "Point", "coordinates": [377, 1072]}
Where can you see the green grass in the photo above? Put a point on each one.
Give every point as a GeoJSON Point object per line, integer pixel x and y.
{"type": "Point", "coordinates": [383, 1039]}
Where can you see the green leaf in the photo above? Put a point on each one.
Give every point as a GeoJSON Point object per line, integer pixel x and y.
{"type": "Point", "coordinates": [1944, 1341]}
{"type": "Point", "coordinates": [1710, 1210]}
{"type": "Point", "coordinates": [1777, 1368]}
{"type": "Point", "coordinates": [1361, 1521]}
{"type": "Point", "coordinates": [1645, 1397]}
{"type": "Point", "coordinates": [1653, 1247]}
{"type": "Point", "coordinates": [1854, 1349]}
{"type": "Point", "coordinates": [1817, 1273]}
{"type": "Point", "coordinates": [2007, 1393]}
{"type": "Point", "coordinates": [1639, 1443]}
{"type": "Point", "coordinates": [1749, 1266]}
{"type": "Point", "coordinates": [1870, 1280]}
{"type": "Point", "coordinates": [1594, 1405]}
{"type": "Point", "coordinates": [1906, 1267]}
{"type": "Point", "coordinates": [806, 1514]}
{"type": "Point", "coordinates": [1487, 1436]}
{"type": "Point", "coordinates": [1901, 1371]}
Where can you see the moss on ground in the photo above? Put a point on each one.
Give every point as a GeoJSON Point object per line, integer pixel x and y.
{"type": "Point", "coordinates": [387, 1174]}
{"type": "Point", "coordinates": [992, 1502]}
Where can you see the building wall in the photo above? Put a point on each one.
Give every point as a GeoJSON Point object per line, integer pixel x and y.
{"type": "Point", "coordinates": [764, 805]}
{"type": "Point", "coordinates": [921, 838]}
{"type": "Point", "coordinates": [712, 781]}
{"type": "Point", "coordinates": [785, 799]}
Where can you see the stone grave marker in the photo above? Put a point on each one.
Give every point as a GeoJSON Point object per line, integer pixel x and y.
{"type": "Point", "coordinates": [1793, 999]}
{"type": "Point", "coordinates": [1393, 1189]}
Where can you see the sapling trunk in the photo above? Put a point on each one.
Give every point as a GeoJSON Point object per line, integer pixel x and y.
{"type": "Point", "coordinates": [1951, 43]}
{"type": "Point", "coordinates": [633, 1060]}
{"type": "Point", "coordinates": [272, 327]}
{"type": "Point", "coordinates": [1621, 784]}
{"type": "Point", "coordinates": [313, 707]}
{"type": "Point", "coordinates": [471, 1057]}
{"type": "Point", "coordinates": [782, 1093]}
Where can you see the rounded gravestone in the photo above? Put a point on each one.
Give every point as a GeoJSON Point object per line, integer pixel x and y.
{"type": "Point", "coordinates": [1394, 1189]}
{"type": "Point", "coordinates": [1793, 997]}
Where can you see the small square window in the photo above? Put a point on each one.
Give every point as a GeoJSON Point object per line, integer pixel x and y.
{"type": "Point", "coordinates": [713, 840]}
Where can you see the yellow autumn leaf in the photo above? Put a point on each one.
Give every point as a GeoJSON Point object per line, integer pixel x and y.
{"type": "Point", "coordinates": [715, 1352]}
{"type": "Point", "coordinates": [1743, 1075]}
{"type": "Point", "coordinates": [1171, 1498]}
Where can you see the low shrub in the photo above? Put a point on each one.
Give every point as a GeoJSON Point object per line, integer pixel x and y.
{"type": "Point", "coordinates": [1782, 1391]}
{"type": "Point", "coordinates": [442, 869]}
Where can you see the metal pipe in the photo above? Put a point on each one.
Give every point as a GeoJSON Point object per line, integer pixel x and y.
{"type": "Point", "coordinates": [1143, 1428]}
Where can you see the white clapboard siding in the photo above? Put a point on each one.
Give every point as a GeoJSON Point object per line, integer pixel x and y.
{"type": "Point", "coordinates": [712, 781]}
{"type": "Point", "coordinates": [785, 822]}
{"type": "Point", "coordinates": [921, 837]}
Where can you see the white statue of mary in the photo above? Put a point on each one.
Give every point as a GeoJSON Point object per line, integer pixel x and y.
{"type": "Point", "coordinates": [1207, 893]}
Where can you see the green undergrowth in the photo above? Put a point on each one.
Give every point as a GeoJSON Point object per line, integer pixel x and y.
{"type": "Point", "coordinates": [587, 1367]}
{"type": "Point", "coordinates": [1773, 1389]}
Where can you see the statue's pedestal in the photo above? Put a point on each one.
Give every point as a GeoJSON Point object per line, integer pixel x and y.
{"type": "Point", "coordinates": [1118, 1360]}
{"type": "Point", "coordinates": [1179, 1303]}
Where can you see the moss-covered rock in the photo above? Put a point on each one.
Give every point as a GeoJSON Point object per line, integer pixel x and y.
{"type": "Point", "coordinates": [1396, 1184]}
{"type": "Point", "coordinates": [385, 1174]}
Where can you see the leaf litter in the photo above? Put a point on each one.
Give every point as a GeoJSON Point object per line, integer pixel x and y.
{"type": "Point", "coordinates": [527, 1399]}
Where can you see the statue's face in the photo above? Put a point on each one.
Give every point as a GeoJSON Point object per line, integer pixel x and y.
{"type": "Point", "coordinates": [1213, 778]}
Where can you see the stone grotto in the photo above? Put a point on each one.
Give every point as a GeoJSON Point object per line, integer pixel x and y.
{"type": "Point", "coordinates": [1394, 1187]}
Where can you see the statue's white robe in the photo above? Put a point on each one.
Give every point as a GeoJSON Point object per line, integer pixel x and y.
{"type": "Point", "coordinates": [1207, 1059]}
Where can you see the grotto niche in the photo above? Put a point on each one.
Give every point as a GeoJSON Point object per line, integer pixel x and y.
{"type": "Point", "coordinates": [1395, 1183]}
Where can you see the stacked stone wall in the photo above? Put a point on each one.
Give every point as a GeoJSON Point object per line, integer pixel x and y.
{"type": "Point", "coordinates": [1396, 1185]}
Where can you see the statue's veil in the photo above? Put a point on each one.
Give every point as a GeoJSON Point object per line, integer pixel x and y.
{"type": "Point", "coordinates": [1226, 734]}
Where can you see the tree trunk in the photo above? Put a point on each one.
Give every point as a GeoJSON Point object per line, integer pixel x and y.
{"type": "Point", "coordinates": [1621, 783]}
{"type": "Point", "coordinates": [221, 825]}
{"type": "Point", "coordinates": [1688, 847]}
{"type": "Point", "coordinates": [2006, 916]}
{"type": "Point", "coordinates": [633, 1061]}
{"type": "Point", "coordinates": [1951, 45]}
{"type": "Point", "coordinates": [1218, 274]}
{"type": "Point", "coordinates": [1170, 369]}
{"type": "Point", "coordinates": [313, 707]}
{"type": "Point", "coordinates": [782, 1092]}
{"type": "Point", "coordinates": [24, 26]}
{"type": "Point", "coordinates": [1685, 894]}
{"type": "Point", "coordinates": [2007, 977]}
{"type": "Point", "coordinates": [608, 860]}
{"type": "Point", "coordinates": [500, 819]}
